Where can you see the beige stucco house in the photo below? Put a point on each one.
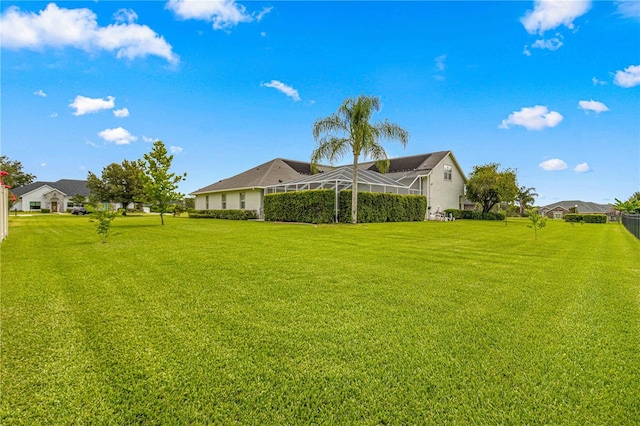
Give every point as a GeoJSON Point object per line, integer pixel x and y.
{"type": "Point", "coordinates": [437, 176]}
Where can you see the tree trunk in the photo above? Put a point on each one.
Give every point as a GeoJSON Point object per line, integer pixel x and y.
{"type": "Point", "coordinates": [161, 218]}
{"type": "Point", "coordinates": [354, 191]}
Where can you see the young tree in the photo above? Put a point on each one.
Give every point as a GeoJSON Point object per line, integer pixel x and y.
{"type": "Point", "coordinates": [104, 215]}
{"type": "Point", "coordinates": [160, 185]}
{"type": "Point", "coordinates": [538, 221]}
{"type": "Point", "coordinates": [16, 177]}
{"type": "Point", "coordinates": [349, 131]}
{"type": "Point", "coordinates": [488, 186]}
{"type": "Point", "coordinates": [120, 183]}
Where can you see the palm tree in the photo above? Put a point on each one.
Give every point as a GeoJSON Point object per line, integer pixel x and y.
{"type": "Point", "coordinates": [349, 130]}
{"type": "Point", "coordinates": [526, 197]}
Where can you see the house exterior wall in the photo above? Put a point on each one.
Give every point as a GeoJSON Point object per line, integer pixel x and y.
{"type": "Point", "coordinates": [443, 193]}
{"type": "Point", "coordinates": [556, 213]}
{"type": "Point", "coordinates": [252, 199]}
{"type": "Point", "coordinates": [44, 195]}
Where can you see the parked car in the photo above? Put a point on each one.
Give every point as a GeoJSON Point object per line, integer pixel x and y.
{"type": "Point", "coordinates": [80, 211]}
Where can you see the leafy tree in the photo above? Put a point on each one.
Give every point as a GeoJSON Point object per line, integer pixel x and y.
{"type": "Point", "coordinates": [488, 186]}
{"type": "Point", "coordinates": [15, 176]}
{"type": "Point", "coordinates": [189, 203]}
{"type": "Point", "coordinates": [160, 185]}
{"type": "Point", "coordinates": [349, 131]}
{"type": "Point", "coordinates": [526, 198]}
{"type": "Point", "coordinates": [632, 205]}
{"type": "Point", "coordinates": [538, 221]}
{"type": "Point", "coordinates": [78, 199]}
{"type": "Point", "coordinates": [120, 183]}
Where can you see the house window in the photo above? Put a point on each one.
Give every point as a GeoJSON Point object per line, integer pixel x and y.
{"type": "Point", "coordinates": [447, 172]}
{"type": "Point", "coordinates": [34, 205]}
{"type": "Point", "coordinates": [206, 202]}
{"type": "Point", "coordinates": [224, 201]}
{"type": "Point", "coordinates": [242, 200]}
{"type": "Point", "coordinates": [557, 215]}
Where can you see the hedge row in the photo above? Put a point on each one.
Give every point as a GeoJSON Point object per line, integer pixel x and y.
{"type": "Point", "coordinates": [318, 206]}
{"type": "Point", "coordinates": [472, 214]}
{"type": "Point", "coordinates": [586, 218]}
{"type": "Point", "coordinates": [383, 207]}
{"type": "Point", "coordinates": [224, 214]}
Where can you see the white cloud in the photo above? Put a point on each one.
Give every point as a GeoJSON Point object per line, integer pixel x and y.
{"type": "Point", "coordinates": [263, 34]}
{"type": "Point", "coordinates": [84, 105]}
{"type": "Point", "coordinates": [526, 51]}
{"type": "Point", "coordinates": [630, 77]}
{"type": "Point", "coordinates": [120, 113]}
{"type": "Point", "coordinates": [440, 63]}
{"type": "Point", "coordinates": [59, 28]}
{"type": "Point", "coordinates": [581, 168]}
{"type": "Point", "coordinates": [597, 82]}
{"type": "Point", "coordinates": [43, 164]}
{"type": "Point", "coordinates": [592, 105]}
{"type": "Point", "coordinates": [119, 136]}
{"type": "Point", "coordinates": [175, 149]}
{"type": "Point", "coordinates": [550, 14]}
{"type": "Point", "coordinates": [533, 118]}
{"type": "Point", "coordinates": [53, 115]}
{"type": "Point", "coordinates": [553, 164]}
{"type": "Point", "coordinates": [223, 14]}
{"type": "Point", "coordinates": [149, 140]}
{"type": "Point", "coordinates": [281, 87]}
{"type": "Point", "coordinates": [550, 44]}
{"type": "Point", "coordinates": [125, 15]}
{"type": "Point", "coordinates": [40, 93]}
{"type": "Point", "coordinates": [629, 8]}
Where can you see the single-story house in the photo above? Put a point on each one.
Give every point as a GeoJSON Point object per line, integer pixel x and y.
{"type": "Point", "coordinates": [559, 209]}
{"type": "Point", "coordinates": [49, 195]}
{"type": "Point", "coordinates": [436, 175]}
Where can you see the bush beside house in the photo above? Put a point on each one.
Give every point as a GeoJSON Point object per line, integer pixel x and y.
{"type": "Point", "coordinates": [318, 206]}
{"type": "Point", "coordinates": [586, 218]}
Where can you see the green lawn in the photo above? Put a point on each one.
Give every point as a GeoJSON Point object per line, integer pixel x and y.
{"type": "Point", "coordinates": [204, 321]}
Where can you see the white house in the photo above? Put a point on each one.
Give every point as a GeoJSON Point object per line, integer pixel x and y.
{"type": "Point", "coordinates": [437, 176]}
{"type": "Point", "coordinates": [49, 195]}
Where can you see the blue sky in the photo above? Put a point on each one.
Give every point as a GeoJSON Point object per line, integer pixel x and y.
{"type": "Point", "coordinates": [550, 88]}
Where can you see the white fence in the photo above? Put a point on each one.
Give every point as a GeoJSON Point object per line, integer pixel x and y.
{"type": "Point", "coordinates": [4, 212]}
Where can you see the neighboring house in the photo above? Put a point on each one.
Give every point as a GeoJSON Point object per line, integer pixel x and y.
{"type": "Point", "coordinates": [49, 195]}
{"type": "Point", "coordinates": [559, 209]}
{"type": "Point", "coordinates": [437, 176]}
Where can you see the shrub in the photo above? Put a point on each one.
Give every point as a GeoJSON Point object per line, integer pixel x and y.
{"type": "Point", "coordinates": [472, 214]}
{"type": "Point", "coordinates": [318, 206]}
{"type": "Point", "coordinates": [224, 214]}
{"type": "Point", "coordinates": [315, 206]}
{"type": "Point", "coordinates": [383, 207]}
{"type": "Point", "coordinates": [45, 210]}
{"type": "Point", "coordinates": [586, 218]}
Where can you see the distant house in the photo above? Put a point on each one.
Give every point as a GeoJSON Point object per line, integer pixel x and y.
{"type": "Point", "coordinates": [49, 195]}
{"type": "Point", "coordinates": [437, 176]}
{"type": "Point", "coordinates": [559, 209]}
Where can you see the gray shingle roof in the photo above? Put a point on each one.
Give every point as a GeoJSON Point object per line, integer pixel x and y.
{"type": "Point", "coordinates": [70, 187]}
{"type": "Point", "coordinates": [272, 172]}
{"type": "Point", "coordinates": [583, 206]}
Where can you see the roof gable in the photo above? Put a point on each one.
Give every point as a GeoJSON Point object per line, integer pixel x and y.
{"type": "Point", "coordinates": [272, 172]}
{"type": "Point", "coordinates": [69, 187]}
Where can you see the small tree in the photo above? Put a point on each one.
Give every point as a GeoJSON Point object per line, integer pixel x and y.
{"type": "Point", "coordinates": [15, 176]}
{"type": "Point", "coordinates": [538, 221]}
{"type": "Point", "coordinates": [119, 183]}
{"type": "Point", "coordinates": [488, 186]}
{"type": "Point", "coordinates": [104, 215]}
{"type": "Point", "coordinates": [160, 185]}
{"type": "Point", "coordinates": [78, 199]}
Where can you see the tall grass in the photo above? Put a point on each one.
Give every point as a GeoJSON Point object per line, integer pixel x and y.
{"type": "Point", "coordinates": [203, 321]}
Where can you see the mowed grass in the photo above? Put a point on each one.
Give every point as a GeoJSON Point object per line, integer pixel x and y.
{"type": "Point", "coordinates": [211, 321]}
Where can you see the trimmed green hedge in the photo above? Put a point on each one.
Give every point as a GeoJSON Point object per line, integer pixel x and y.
{"type": "Point", "coordinates": [318, 206]}
{"type": "Point", "coordinates": [383, 207]}
{"type": "Point", "coordinates": [472, 214]}
{"type": "Point", "coordinates": [315, 206]}
{"type": "Point", "coordinates": [586, 218]}
{"type": "Point", "coordinates": [224, 214]}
